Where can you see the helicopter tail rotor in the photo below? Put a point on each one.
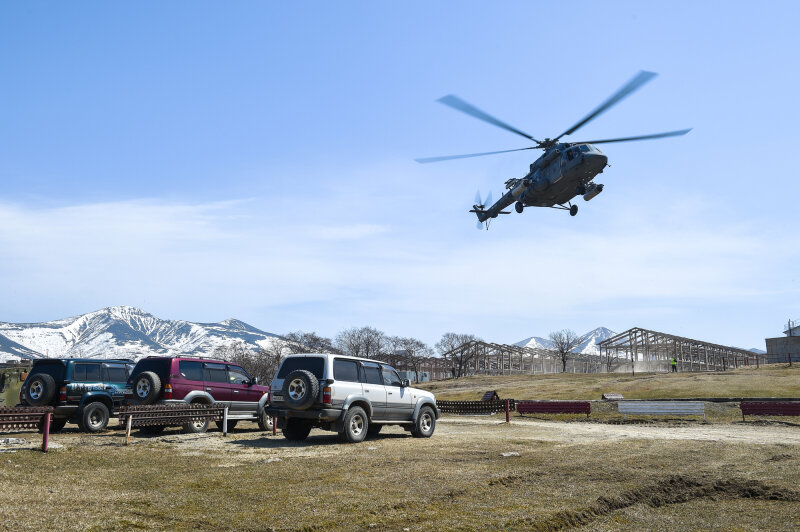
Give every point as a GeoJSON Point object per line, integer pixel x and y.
{"type": "Point", "coordinates": [479, 208]}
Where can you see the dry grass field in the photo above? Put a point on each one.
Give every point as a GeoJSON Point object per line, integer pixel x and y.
{"type": "Point", "coordinates": [775, 380]}
{"type": "Point", "coordinates": [664, 475]}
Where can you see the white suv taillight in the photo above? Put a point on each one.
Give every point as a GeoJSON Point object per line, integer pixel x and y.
{"type": "Point", "coordinates": [326, 395]}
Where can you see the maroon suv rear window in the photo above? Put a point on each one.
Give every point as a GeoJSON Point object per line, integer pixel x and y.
{"type": "Point", "coordinates": [159, 366]}
{"type": "Point", "coordinates": [190, 370]}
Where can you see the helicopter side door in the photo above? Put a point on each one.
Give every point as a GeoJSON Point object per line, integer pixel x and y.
{"type": "Point", "coordinates": [572, 156]}
{"type": "Point", "coordinates": [556, 169]}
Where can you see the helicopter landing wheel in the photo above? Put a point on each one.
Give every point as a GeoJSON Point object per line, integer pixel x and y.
{"type": "Point", "coordinates": [518, 207]}
{"type": "Point", "coordinates": [573, 210]}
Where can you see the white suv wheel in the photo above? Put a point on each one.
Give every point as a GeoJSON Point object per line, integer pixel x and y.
{"type": "Point", "coordinates": [426, 422]}
{"type": "Point", "coordinates": [356, 425]}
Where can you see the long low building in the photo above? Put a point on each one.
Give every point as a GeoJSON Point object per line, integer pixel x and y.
{"type": "Point", "coordinates": [784, 348]}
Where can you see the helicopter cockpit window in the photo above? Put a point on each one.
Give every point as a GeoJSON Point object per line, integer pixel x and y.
{"type": "Point", "coordinates": [584, 148]}
{"type": "Point", "coordinates": [570, 154]}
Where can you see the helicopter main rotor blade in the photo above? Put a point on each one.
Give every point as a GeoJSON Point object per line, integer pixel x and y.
{"type": "Point", "coordinates": [641, 137]}
{"type": "Point", "coordinates": [467, 155]}
{"type": "Point", "coordinates": [460, 105]}
{"type": "Point", "coordinates": [629, 88]}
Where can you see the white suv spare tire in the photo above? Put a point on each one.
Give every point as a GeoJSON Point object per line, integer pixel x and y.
{"type": "Point", "coordinates": [300, 389]}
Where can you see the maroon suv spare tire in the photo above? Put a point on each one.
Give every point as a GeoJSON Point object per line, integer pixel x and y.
{"type": "Point", "coordinates": [300, 389]}
{"type": "Point", "coordinates": [40, 390]}
{"type": "Point", "coordinates": [146, 388]}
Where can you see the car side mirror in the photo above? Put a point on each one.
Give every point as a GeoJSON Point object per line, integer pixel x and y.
{"type": "Point", "coordinates": [253, 381]}
{"type": "Point", "coordinates": [404, 383]}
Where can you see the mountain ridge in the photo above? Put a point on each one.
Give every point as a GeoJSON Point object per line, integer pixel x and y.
{"type": "Point", "coordinates": [587, 345]}
{"type": "Point", "coordinates": [125, 332]}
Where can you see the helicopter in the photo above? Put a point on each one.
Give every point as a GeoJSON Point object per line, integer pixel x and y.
{"type": "Point", "coordinates": [564, 171]}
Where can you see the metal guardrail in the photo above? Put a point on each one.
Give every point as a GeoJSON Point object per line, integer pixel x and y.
{"type": "Point", "coordinates": [27, 417]}
{"type": "Point", "coordinates": [475, 407]}
{"type": "Point", "coordinates": [171, 415]}
{"type": "Point", "coordinates": [662, 408]}
{"type": "Point", "coordinates": [758, 408]}
{"type": "Point", "coordinates": [554, 407]}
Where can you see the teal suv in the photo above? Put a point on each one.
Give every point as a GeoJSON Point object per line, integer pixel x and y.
{"type": "Point", "coordinates": [85, 391]}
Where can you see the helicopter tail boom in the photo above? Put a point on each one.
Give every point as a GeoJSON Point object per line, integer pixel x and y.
{"type": "Point", "coordinates": [480, 213]}
{"type": "Point", "coordinates": [485, 215]}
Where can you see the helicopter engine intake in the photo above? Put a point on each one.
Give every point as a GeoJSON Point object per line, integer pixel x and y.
{"type": "Point", "coordinates": [592, 190]}
{"type": "Point", "coordinates": [520, 188]}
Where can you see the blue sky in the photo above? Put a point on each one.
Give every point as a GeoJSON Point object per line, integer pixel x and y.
{"type": "Point", "coordinates": [255, 160]}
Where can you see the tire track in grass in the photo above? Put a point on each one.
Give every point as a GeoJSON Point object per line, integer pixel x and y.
{"type": "Point", "coordinates": [674, 490]}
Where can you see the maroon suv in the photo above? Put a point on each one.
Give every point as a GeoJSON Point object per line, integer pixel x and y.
{"type": "Point", "coordinates": [199, 380]}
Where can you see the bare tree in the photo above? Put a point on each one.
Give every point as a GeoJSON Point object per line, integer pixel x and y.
{"type": "Point", "coordinates": [414, 353]}
{"type": "Point", "coordinates": [449, 346]}
{"type": "Point", "coordinates": [365, 342]}
{"type": "Point", "coordinates": [564, 341]}
{"type": "Point", "coordinates": [236, 349]}
{"type": "Point", "coordinates": [262, 363]}
{"type": "Point", "coordinates": [308, 342]}
{"type": "Point", "coordinates": [393, 351]}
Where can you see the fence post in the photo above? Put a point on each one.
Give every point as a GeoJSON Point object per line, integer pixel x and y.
{"type": "Point", "coordinates": [225, 421]}
{"type": "Point", "coordinates": [46, 432]}
{"type": "Point", "coordinates": [508, 419]}
{"type": "Point", "coordinates": [128, 425]}
{"type": "Point", "coordinates": [274, 426]}
{"type": "Point", "coordinates": [757, 357]}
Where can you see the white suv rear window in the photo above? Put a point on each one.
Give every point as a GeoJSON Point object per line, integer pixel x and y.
{"type": "Point", "coordinates": [345, 370]}
{"type": "Point", "coordinates": [312, 364]}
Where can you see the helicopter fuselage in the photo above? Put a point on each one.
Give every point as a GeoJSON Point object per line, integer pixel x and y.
{"type": "Point", "coordinates": [565, 169]}
{"type": "Point", "coordinates": [563, 172]}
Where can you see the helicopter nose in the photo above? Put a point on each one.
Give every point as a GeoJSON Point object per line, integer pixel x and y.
{"type": "Point", "coordinates": [597, 161]}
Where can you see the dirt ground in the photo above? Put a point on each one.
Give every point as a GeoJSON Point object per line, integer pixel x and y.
{"type": "Point", "coordinates": [588, 433]}
{"type": "Point", "coordinates": [475, 473]}
{"type": "Point", "coordinates": [575, 432]}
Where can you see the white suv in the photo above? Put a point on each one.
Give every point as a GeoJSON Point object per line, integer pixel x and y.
{"type": "Point", "coordinates": [348, 395]}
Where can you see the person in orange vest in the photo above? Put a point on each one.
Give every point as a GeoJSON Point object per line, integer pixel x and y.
{"type": "Point", "coordinates": [674, 365]}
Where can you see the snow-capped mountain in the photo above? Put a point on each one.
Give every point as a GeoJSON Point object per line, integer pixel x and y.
{"type": "Point", "coordinates": [535, 342]}
{"type": "Point", "coordinates": [125, 332]}
{"type": "Point", "coordinates": [589, 341]}
{"type": "Point", "coordinates": [587, 345]}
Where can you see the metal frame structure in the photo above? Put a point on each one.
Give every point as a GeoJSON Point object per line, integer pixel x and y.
{"type": "Point", "coordinates": [504, 359]}
{"type": "Point", "coordinates": [633, 349]}
{"type": "Point", "coordinates": [647, 350]}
